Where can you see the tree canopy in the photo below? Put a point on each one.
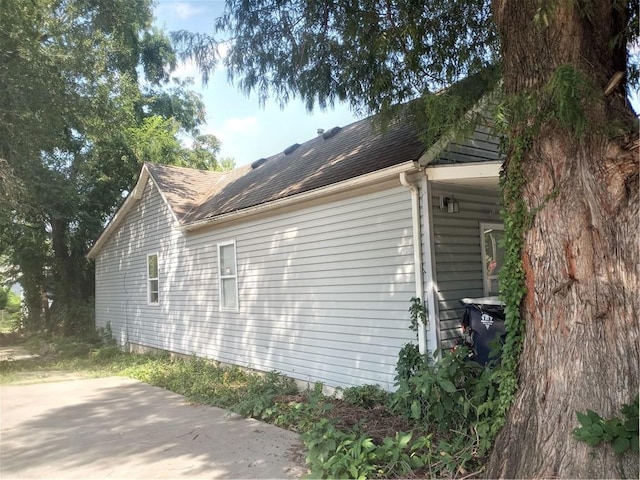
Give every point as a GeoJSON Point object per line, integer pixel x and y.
{"type": "Point", "coordinates": [87, 96]}
{"type": "Point", "coordinates": [369, 53]}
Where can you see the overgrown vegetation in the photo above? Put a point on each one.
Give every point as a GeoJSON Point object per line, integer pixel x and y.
{"type": "Point", "coordinates": [622, 433]}
{"type": "Point", "coordinates": [10, 310]}
{"type": "Point", "coordinates": [438, 423]}
{"type": "Point", "coordinates": [426, 427]}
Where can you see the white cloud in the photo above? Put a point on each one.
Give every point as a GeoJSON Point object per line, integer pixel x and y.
{"type": "Point", "coordinates": [186, 70]}
{"type": "Point", "coordinates": [238, 136]}
{"type": "Point", "coordinates": [186, 10]}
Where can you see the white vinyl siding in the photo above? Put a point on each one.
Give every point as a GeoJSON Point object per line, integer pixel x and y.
{"type": "Point", "coordinates": [227, 276]}
{"type": "Point", "coordinates": [153, 282]}
{"type": "Point", "coordinates": [122, 272]}
{"type": "Point", "coordinates": [324, 289]}
{"type": "Point", "coordinates": [457, 251]}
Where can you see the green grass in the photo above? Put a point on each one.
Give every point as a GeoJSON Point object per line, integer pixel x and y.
{"type": "Point", "coordinates": [197, 379]}
{"type": "Point", "coordinates": [76, 361]}
{"type": "Point", "coordinates": [7, 322]}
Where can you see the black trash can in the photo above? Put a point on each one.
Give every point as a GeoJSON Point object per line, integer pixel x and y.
{"type": "Point", "coordinates": [483, 325]}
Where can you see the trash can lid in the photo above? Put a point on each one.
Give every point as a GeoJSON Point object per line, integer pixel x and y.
{"type": "Point", "coordinates": [483, 301]}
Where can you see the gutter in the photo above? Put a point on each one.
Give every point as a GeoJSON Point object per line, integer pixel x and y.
{"type": "Point", "coordinates": [417, 255]}
{"type": "Point", "coordinates": [361, 181]}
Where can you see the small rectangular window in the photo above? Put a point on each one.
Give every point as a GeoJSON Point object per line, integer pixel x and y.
{"type": "Point", "coordinates": [227, 276]}
{"type": "Point", "coordinates": [153, 282]}
{"type": "Point", "coordinates": [492, 256]}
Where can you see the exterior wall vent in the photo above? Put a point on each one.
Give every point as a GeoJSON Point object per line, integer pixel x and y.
{"type": "Point", "coordinates": [330, 133]}
{"type": "Point", "coordinates": [258, 162]}
{"type": "Point", "coordinates": [291, 149]}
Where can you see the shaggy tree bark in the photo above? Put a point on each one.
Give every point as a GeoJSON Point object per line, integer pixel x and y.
{"type": "Point", "coordinates": [581, 251]}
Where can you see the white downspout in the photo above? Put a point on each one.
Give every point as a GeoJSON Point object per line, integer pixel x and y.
{"type": "Point", "coordinates": [417, 254]}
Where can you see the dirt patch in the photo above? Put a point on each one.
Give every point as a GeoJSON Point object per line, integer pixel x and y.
{"type": "Point", "coordinates": [14, 352]}
{"type": "Point", "coordinates": [11, 338]}
{"type": "Point", "coordinates": [377, 423]}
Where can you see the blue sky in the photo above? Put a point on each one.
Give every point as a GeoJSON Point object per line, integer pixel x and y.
{"type": "Point", "coordinates": [247, 130]}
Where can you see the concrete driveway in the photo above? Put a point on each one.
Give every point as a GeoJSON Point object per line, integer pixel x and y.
{"type": "Point", "coordinates": [119, 428]}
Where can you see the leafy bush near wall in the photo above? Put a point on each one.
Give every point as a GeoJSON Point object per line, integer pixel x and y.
{"type": "Point", "coordinates": [365, 396]}
{"type": "Point", "coordinates": [337, 454]}
{"type": "Point", "coordinates": [444, 394]}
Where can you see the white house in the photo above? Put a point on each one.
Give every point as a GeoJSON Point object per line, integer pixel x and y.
{"type": "Point", "coordinates": [305, 262]}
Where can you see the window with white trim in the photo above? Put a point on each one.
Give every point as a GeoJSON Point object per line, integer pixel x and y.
{"type": "Point", "coordinates": [153, 280]}
{"type": "Point", "coordinates": [492, 256]}
{"type": "Point", "coordinates": [228, 276]}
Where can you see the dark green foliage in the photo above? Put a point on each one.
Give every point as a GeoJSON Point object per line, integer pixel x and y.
{"type": "Point", "coordinates": [410, 361]}
{"type": "Point", "coordinates": [622, 433]}
{"type": "Point", "coordinates": [365, 396]}
{"type": "Point", "coordinates": [261, 392]}
{"type": "Point", "coordinates": [300, 413]}
{"type": "Point", "coordinates": [570, 92]}
{"type": "Point", "coordinates": [368, 53]}
{"type": "Point", "coordinates": [75, 318]}
{"type": "Point", "coordinates": [417, 313]}
{"type": "Point", "coordinates": [75, 127]}
{"type": "Point", "coordinates": [337, 454]}
{"type": "Point", "coordinates": [443, 395]}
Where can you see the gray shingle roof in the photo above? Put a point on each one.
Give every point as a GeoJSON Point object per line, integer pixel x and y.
{"type": "Point", "coordinates": [183, 188]}
{"type": "Point", "coordinates": [351, 151]}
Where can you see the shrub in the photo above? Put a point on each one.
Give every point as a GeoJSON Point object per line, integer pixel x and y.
{"type": "Point", "coordinates": [74, 319]}
{"type": "Point", "coordinates": [442, 394]}
{"type": "Point", "coordinates": [365, 396]}
{"type": "Point", "coordinates": [337, 454]}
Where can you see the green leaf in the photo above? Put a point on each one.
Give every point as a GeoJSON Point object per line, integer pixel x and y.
{"type": "Point", "coordinates": [447, 385]}
{"type": "Point", "coordinates": [403, 440]}
{"type": "Point", "coordinates": [612, 426]}
{"type": "Point", "coordinates": [621, 445]}
{"type": "Point", "coordinates": [592, 440]}
{"type": "Point", "coordinates": [368, 443]}
{"type": "Point", "coordinates": [415, 410]}
{"type": "Point", "coordinates": [584, 419]}
{"type": "Point", "coordinates": [595, 418]}
{"type": "Point", "coordinates": [631, 425]}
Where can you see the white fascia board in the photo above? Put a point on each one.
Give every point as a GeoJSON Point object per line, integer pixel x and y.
{"type": "Point", "coordinates": [361, 181]}
{"type": "Point", "coordinates": [134, 196]}
{"type": "Point", "coordinates": [464, 171]}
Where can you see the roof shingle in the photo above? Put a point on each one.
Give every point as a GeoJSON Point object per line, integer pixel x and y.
{"type": "Point", "coordinates": [354, 150]}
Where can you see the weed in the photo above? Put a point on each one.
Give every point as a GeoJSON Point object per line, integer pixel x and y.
{"type": "Point", "coordinates": [621, 433]}
{"type": "Point", "coordinates": [365, 396]}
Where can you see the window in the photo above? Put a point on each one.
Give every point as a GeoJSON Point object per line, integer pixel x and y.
{"type": "Point", "coordinates": [493, 255]}
{"type": "Point", "coordinates": [227, 276]}
{"type": "Point", "coordinates": [153, 291]}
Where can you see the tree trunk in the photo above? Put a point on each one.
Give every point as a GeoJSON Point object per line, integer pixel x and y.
{"type": "Point", "coordinates": [63, 271]}
{"type": "Point", "coordinates": [581, 341]}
